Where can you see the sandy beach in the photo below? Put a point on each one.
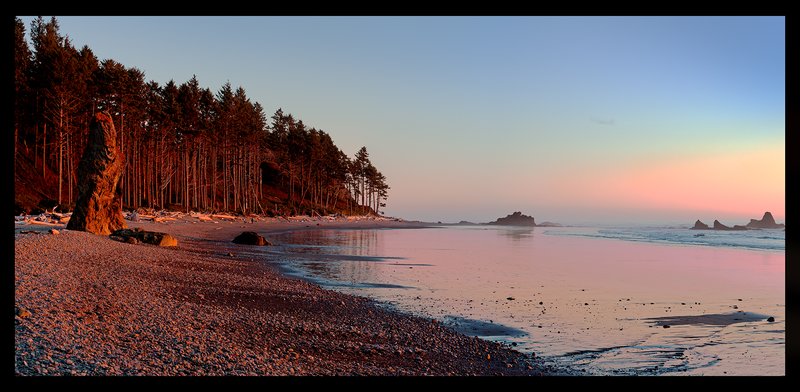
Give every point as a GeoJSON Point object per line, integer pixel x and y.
{"type": "Point", "coordinates": [89, 305]}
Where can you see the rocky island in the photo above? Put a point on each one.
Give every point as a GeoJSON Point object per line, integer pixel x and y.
{"type": "Point", "coordinates": [766, 222]}
{"type": "Point", "coordinates": [698, 225]}
{"type": "Point", "coordinates": [515, 219]}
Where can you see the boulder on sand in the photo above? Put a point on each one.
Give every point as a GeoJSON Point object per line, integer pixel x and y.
{"type": "Point", "coordinates": [251, 238]}
{"type": "Point", "coordinates": [132, 236]}
{"type": "Point", "coordinates": [98, 209]}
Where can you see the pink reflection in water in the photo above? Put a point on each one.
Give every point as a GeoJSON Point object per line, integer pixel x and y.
{"type": "Point", "coordinates": [595, 294]}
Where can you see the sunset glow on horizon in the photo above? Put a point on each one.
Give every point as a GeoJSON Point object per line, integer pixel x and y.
{"type": "Point", "coordinates": [736, 182]}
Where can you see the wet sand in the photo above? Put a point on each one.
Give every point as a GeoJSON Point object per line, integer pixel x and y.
{"type": "Point", "coordinates": [598, 305]}
{"type": "Point", "coordinates": [88, 305]}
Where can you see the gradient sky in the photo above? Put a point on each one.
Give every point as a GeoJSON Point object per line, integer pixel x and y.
{"type": "Point", "coordinates": [568, 119]}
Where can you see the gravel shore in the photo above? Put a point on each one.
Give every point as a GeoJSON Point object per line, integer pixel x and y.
{"type": "Point", "coordinates": [88, 305]}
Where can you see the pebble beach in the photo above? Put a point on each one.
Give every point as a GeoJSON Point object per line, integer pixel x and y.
{"type": "Point", "coordinates": [88, 305]}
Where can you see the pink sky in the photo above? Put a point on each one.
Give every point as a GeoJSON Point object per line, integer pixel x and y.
{"type": "Point", "coordinates": [736, 183]}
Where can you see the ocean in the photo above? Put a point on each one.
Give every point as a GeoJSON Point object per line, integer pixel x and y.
{"type": "Point", "coordinates": [595, 300]}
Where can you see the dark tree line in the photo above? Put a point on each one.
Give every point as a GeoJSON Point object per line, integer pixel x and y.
{"type": "Point", "coordinates": [184, 146]}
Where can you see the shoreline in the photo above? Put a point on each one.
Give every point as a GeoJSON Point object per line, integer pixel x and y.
{"type": "Point", "coordinates": [94, 306]}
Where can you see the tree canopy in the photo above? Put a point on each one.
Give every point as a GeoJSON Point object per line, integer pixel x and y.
{"type": "Point", "coordinates": [185, 147]}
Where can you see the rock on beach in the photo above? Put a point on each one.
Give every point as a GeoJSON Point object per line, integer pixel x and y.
{"type": "Point", "coordinates": [251, 238]}
{"type": "Point", "coordinates": [98, 208]}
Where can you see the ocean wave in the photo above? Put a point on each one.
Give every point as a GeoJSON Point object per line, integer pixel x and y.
{"type": "Point", "coordinates": [745, 239]}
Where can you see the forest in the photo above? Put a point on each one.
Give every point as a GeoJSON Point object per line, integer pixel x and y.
{"type": "Point", "coordinates": [185, 147]}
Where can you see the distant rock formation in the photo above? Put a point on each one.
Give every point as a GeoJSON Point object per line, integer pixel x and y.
{"type": "Point", "coordinates": [720, 226]}
{"type": "Point", "coordinates": [134, 236]}
{"type": "Point", "coordinates": [251, 238]}
{"type": "Point", "coordinates": [98, 208]}
{"type": "Point", "coordinates": [515, 219]}
{"type": "Point", "coordinates": [465, 223]}
{"type": "Point", "coordinates": [550, 224]}
{"type": "Point", "coordinates": [767, 222]}
{"type": "Point", "coordinates": [700, 226]}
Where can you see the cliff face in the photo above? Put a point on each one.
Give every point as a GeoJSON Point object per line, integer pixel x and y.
{"type": "Point", "coordinates": [515, 219]}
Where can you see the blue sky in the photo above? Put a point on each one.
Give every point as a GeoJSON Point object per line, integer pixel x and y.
{"type": "Point", "coordinates": [475, 117]}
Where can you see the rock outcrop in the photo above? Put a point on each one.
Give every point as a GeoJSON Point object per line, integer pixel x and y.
{"type": "Point", "coordinates": [134, 236]}
{"type": "Point", "coordinates": [700, 225]}
{"type": "Point", "coordinates": [251, 238]}
{"type": "Point", "coordinates": [550, 224]}
{"type": "Point", "coordinates": [720, 226]}
{"type": "Point", "coordinates": [766, 222]}
{"type": "Point", "coordinates": [98, 208]}
{"type": "Point", "coordinates": [515, 219]}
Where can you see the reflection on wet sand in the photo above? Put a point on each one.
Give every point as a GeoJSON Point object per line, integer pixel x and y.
{"type": "Point", "coordinates": [594, 304]}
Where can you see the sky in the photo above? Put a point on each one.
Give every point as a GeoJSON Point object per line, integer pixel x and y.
{"type": "Point", "coordinates": [568, 119]}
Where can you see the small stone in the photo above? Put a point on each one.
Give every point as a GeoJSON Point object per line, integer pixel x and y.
{"type": "Point", "coordinates": [510, 298]}
{"type": "Point", "coordinates": [666, 326]}
{"type": "Point", "coordinates": [23, 313]}
{"type": "Point", "coordinates": [735, 307]}
{"type": "Point", "coordinates": [54, 231]}
{"type": "Point", "coordinates": [488, 357]}
{"type": "Point", "coordinates": [230, 254]}
{"type": "Point", "coordinates": [771, 319]}
{"type": "Point", "coordinates": [541, 303]}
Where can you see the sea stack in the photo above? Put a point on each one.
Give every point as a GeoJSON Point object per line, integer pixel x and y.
{"type": "Point", "coordinates": [720, 226]}
{"type": "Point", "coordinates": [700, 225]}
{"type": "Point", "coordinates": [515, 219]}
{"type": "Point", "coordinates": [767, 222]}
{"type": "Point", "coordinates": [98, 208]}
